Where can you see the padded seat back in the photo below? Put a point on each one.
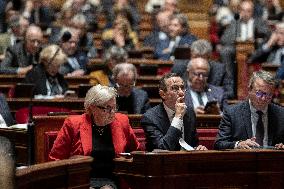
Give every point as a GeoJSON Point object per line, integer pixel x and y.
{"type": "Point", "coordinates": [207, 137]}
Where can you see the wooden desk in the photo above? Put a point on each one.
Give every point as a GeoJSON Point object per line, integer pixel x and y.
{"type": "Point", "coordinates": [69, 173]}
{"type": "Point", "coordinates": [209, 169]}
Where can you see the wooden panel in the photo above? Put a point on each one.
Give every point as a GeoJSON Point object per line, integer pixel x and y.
{"type": "Point", "coordinates": [194, 6]}
{"type": "Point", "coordinates": [70, 173]}
{"type": "Point", "coordinates": [207, 169]}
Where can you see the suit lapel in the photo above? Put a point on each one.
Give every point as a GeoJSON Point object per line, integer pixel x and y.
{"type": "Point", "coordinates": [162, 117]}
{"type": "Point", "coordinates": [246, 118]}
{"type": "Point", "coordinates": [270, 125]}
{"type": "Point", "coordinates": [86, 134]}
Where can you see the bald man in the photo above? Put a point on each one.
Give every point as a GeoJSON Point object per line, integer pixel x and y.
{"type": "Point", "coordinates": [21, 57]}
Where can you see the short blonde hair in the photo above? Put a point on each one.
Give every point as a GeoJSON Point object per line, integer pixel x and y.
{"type": "Point", "coordinates": [98, 95]}
{"type": "Point", "coordinates": [53, 55]}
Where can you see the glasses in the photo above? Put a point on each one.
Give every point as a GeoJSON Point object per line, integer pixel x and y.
{"type": "Point", "coordinates": [260, 94]}
{"type": "Point", "coordinates": [108, 109]}
{"type": "Point", "coordinates": [125, 86]}
{"type": "Point", "coordinates": [176, 88]}
{"type": "Point", "coordinates": [204, 75]}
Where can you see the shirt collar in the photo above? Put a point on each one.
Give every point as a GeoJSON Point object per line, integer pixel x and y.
{"type": "Point", "coordinates": [169, 111]}
{"type": "Point", "coordinates": [253, 110]}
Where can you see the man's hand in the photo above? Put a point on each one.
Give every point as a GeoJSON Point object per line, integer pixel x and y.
{"type": "Point", "coordinates": [180, 107]}
{"type": "Point", "coordinates": [272, 40]}
{"type": "Point", "coordinates": [279, 146]}
{"type": "Point", "coordinates": [79, 72]}
{"type": "Point", "coordinates": [247, 144]}
{"type": "Point", "coordinates": [199, 110]}
{"type": "Point", "coordinates": [24, 70]}
{"type": "Point", "coordinates": [200, 147]}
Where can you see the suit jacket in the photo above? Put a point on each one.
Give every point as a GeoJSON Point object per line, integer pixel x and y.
{"type": "Point", "coordinates": [16, 56]}
{"type": "Point", "coordinates": [38, 77]}
{"type": "Point", "coordinates": [185, 41]}
{"type": "Point", "coordinates": [261, 55]}
{"type": "Point", "coordinates": [140, 101]}
{"type": "Point", "coordinates": [213, 93]}
{"type": "Point", "coordinates": [236, 125]}
{"type": "Point", "coordinates": [261, 30]}
{"type": "Point", "coordinates": [5, 42]}
{"type": "Point", "coordinates": [82, 59]}
{"type": "Point", "coordinates": [5, 111]}
{"type": "Point", "coordinates": [75, 137]}
{"type": "Point", "coordinates": [159, 133]}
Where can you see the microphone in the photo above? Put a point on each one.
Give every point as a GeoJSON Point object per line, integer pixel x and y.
{"type": "Point", "coordinates": [66, 36]}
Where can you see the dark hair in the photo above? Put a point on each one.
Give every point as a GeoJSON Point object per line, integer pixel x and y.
{"type": "Point", "coordinates": [162, 83]}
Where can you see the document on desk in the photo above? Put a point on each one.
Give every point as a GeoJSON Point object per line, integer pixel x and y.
{"type": "Point", "coordinates": [184, 145]}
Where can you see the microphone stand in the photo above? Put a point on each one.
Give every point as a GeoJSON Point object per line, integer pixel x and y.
{"type": "Point", "coordinates": [30, 131]}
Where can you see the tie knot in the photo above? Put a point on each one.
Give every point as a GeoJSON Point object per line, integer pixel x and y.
{"type": "Point", "coordinates": [259, 113]}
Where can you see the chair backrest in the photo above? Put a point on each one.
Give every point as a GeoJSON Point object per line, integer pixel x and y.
{"type": "Point", "coordinates": [22, 115]}
{"type": "Point", "coordinates": [22, 90]}
{"type": "Point", "coordinates": [207, 137]}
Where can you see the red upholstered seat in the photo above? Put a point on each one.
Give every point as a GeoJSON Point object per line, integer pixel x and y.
{"type": "Point", "coordinates": [22, 115]}
{"type": "Point", "coordinates": [49, 138]}
{"type": "Point", "coordinates": [139, 133]}
{"type": "Point", "coordinates": [207, 137]}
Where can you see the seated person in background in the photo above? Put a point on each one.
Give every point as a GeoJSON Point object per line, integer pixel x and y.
{"type": "Point", "coordinates": [17, 26]}
{"type": "Point", "coordinates": [169, 122]}
{"type": "Point", "coordinates": [7, 163]}
{"type": "Point", "coordinates": [218, 75]}
{"type": "Point", "coordinates": [199, 92]}
{"type": "Point", "coordinates": [6, 118]}
{"type": "Point", "coordinates": [120, 35]}
{"type": "Point", "coordinates": [21, 57]}
{"type": "Point", "coordinates": [273, 50]}
{"type": "Point", "coordinates": [100, 133]}
{"type": "Point", "coordinates": [77, 59]}
{"type": "Point", "coordinates": [113, 56]}
{"type": "Point", "coordinates": [86, 39]}
{"type": "Point", "coordinates": [254, 122]}
{"type": "Point", "coordinates": [46, 77]}
{"type": "Point", "coordinates": [179, 36]}
{"type": "Point", "coordinates": [160, 30]}
{"type": "Point", "coordinates": [130, 99]}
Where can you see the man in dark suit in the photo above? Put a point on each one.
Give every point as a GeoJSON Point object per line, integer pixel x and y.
{"type": "Point", "coordinates": [217, 74]}
{"type": "Point", "coordinates": [169, 122]}
{"type": "Point", "coordinates": [179, 36]}
{"type": "Point", "coordinates": [273, 50]}
{"type": "Point", "coordinates": [246, 28]}
{"type": "Point", "coordinates": [5, 112]}
{"type": "Point", "coordinates": [130, 99]}
{"type": "Point", "coordinates": [199, 92]}
{"type": "Point", "coordinates": [254, 122]}
{"type": "Point", "coordinates": [21, 57]}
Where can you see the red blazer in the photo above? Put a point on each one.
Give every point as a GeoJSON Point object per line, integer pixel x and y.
{"type": "Point", "coordinates": [75, 137]}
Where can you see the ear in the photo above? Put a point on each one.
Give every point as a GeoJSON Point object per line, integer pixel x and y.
{"type": "Point", "coordinates": [162, 94]}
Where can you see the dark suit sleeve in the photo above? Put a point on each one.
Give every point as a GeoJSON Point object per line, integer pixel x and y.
{"type": "Point", "coordinates": [156, 139]}
{"type": "Point", "coordinates": [223, 139]}
{"type": "Point", "coordinates": [5, 111]}
{"type": "Point", "coordinates": [259, 56]}
{"type": "Point", "coordinates": [6, 65]}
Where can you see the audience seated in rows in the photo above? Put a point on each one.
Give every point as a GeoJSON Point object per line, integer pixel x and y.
{"type": "Point", "coordinates": [113, 56]}
{"type": "Point", "coordinates": [243, 29]}
{"type": "Point", "coordinates": [100, 133]}
{"type": "Point", "coordinates": [178, 36]}
{"type": "Point", "coordinates": [218, 75]}
{"type": "Point", "coordinates": [198, 91]}
{"type": "Point", "coordinates": [46, 77]}
{"type": "Point", "coordinates": [166, 124]}
{"type": "Point", "coordinates": [131, 99]}
{"type": "Point", "coordinates": [6, 118]}
{"type": "Point", "coordinates": [22, 56]}
{"type": "Point", "coordinates": [255, 122]}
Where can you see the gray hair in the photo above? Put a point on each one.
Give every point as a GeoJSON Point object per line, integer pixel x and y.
{"type": "Point", "coordinates": [183, 20]}
{"type": "Point", "coordinates": [280, 25]}
{"type": "Point", "coordinates": [79, 18]}
{"type": "Point", "coordinates": [189, 64]}
{"type": "Point", "coordinates": [265, 76]}
{"type": "Point", "coordinates": [118, 54]}
{"type": "Point", "coordinates": [98, 95]}
{"type": "Point", "coordinates": [201, 47]}
{"type": "Point", "coordinates": [124, 68]}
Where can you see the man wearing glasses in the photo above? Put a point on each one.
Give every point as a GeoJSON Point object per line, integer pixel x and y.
{"type": "Point", "coordinates": [199, 92]}
{"type": "Point", "coordinates": [170, 122]}
{"type": "Point", "coordinates": [255, 122]}
{"type": "Point", "coordinates": [130, 99]}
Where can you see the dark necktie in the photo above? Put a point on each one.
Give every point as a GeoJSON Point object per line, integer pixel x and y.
{"type": "Point", "coordinates": [259, 129]}
{"type": "Point", "coordinates": [54, 86]}
{"type": "Point", "coordinates": [199, 97]}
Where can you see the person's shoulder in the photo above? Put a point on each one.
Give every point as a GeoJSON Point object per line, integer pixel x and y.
{"type": "Point", "coordinates": [276, 107]}
{"type": "Point", "coordinates": [214, 88]}
{"type": "Point", "coordinates": [152, 112]}
{"type": "Point", "coordinates": [76, 120]}
{"type": "Point", "coordinates": [139, 92]}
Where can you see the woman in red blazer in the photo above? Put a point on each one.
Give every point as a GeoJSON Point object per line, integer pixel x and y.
{"type": "Point", "coordinates": [100, 133]}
